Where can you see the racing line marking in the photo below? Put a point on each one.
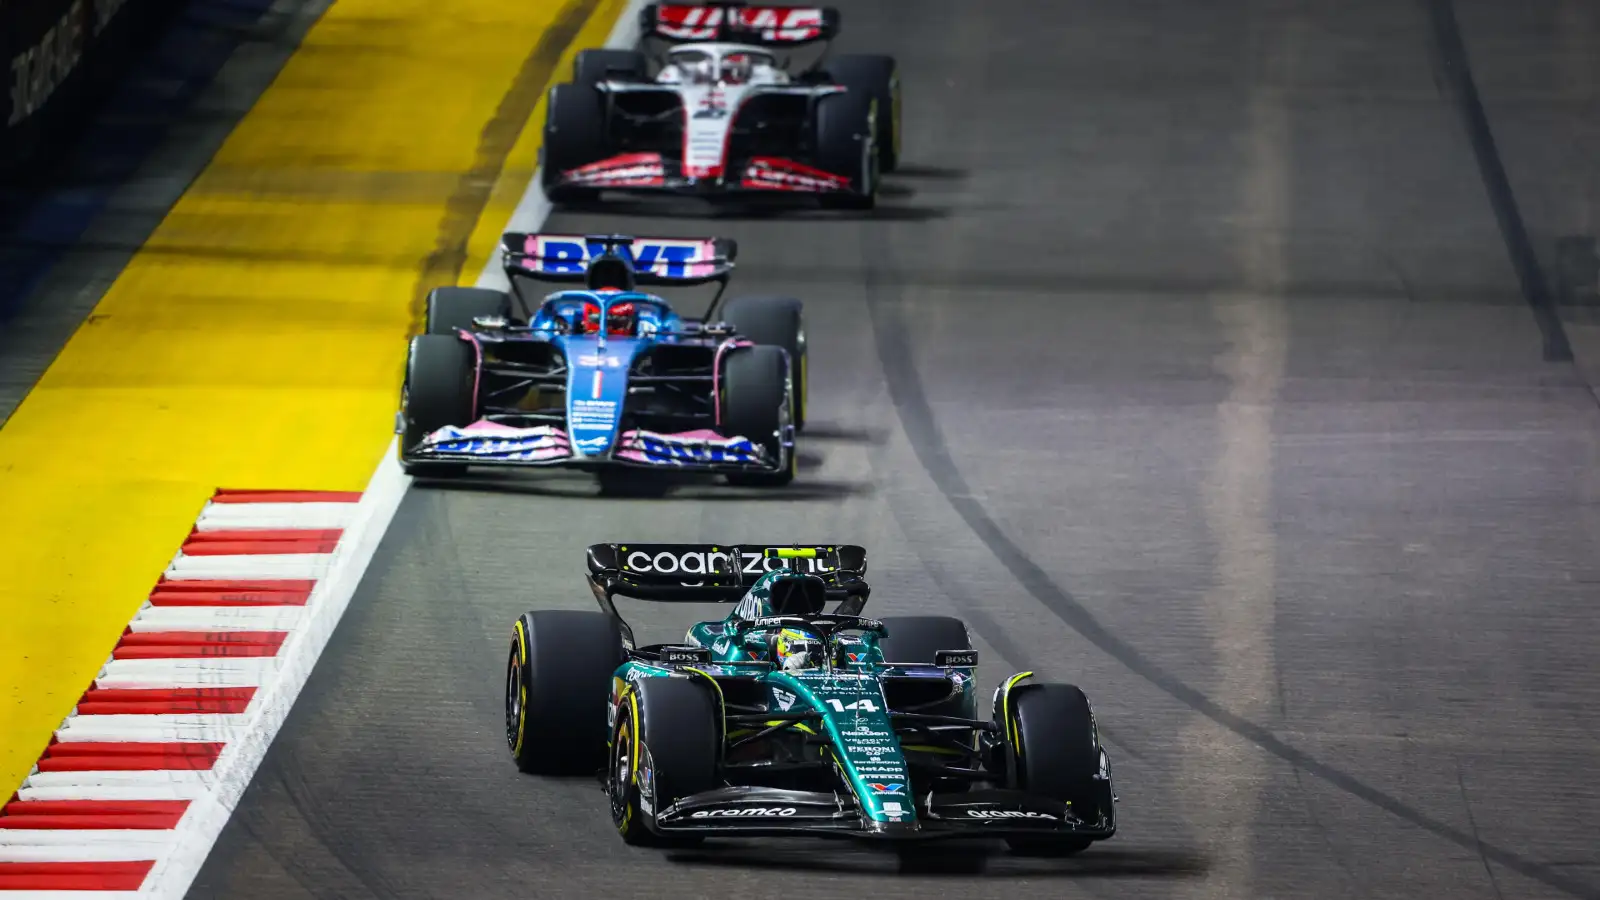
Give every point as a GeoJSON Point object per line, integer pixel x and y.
{"type": "Point", "coordinates": [140, 779]}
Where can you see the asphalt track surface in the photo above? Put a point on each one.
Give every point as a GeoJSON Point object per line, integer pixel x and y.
{"type": "Point", "coordinates": [1184, 361]}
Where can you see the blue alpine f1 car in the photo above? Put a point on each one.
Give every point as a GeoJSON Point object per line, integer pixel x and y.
{"type": "Point", "coordinates": [784, 718]}
{"type": "Point", "coordinates": [603, 376]}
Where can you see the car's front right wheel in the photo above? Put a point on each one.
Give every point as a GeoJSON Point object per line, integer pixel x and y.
{"type": "Point", "coordinates": [558, 681]}
{"type": "Point", "coordinates": [1058, 750]}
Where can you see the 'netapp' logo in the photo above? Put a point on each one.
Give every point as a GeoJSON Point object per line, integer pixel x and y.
{"type": "Point", "coordinates": [1006, 814]}
{"type": "Point", "coordinates": [751, 811]}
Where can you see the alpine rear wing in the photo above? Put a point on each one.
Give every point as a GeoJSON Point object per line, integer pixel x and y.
{"type": "Point", "coordinates": [719, 573]}
{"type": "Point", "coordinates": [733, 20]}
{"type": "Point", "coordinates": [659, 261]}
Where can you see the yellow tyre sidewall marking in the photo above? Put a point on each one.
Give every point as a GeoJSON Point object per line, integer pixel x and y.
{"type": "Point", "coordinates": [258, 338]}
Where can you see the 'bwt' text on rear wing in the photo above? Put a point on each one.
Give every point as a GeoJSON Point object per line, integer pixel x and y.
{"type": "Point", "coordinates": [719, 573]}
{"type": "Point", "coordinates": [656, 261]}
{"type": "Point", "coordinates": [659, 261]}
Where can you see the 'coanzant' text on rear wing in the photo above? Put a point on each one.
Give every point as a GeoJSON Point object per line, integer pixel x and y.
{"type": "Point", "coordinates": [719, 573]}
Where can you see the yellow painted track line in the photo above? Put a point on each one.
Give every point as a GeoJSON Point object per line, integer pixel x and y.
{"type": "Point", "coordinates": [257, 340]}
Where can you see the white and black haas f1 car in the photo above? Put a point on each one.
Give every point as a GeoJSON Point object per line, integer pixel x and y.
{"type": "Point", "coordinates": [725, 110]}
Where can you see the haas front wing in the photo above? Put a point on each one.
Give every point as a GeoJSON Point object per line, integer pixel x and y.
{"type": "Point", "coordinates": [657, 172]}
{"type": "Point", "coordinates": [711, 139]}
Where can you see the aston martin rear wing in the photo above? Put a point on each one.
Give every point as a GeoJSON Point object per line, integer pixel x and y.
{"type": "Point", "coordinates": [719, 573]}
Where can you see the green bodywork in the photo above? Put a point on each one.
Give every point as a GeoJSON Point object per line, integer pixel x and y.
{"type": "Point", "coordinates": [860, 740]}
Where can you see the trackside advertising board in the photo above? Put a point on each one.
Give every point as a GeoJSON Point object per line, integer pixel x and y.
{"type": "Point", "coordinates": [58, 58]}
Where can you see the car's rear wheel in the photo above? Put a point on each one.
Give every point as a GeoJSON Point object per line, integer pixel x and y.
{"type": "Point", "coordinates": [439, 390]}
{"type": "Point", "coordinates": [558, 682]}
{"type": "Point", "coordinates": [779, 321]}
{"type": "Point", "coordinates": [452, 308]}
{"type": "Point", "coordinates": [878, 76]}
{"type": "Point", "coordinates": [846, 146]}
{"type": "Point", "coordinates": [591, 67]}
{"type": "Point", "coordinates": [913, 640]}
{"type": "Point", "coordinates": [664, 747]}
{"type": "Point", "coordinates": [756, 404]}
{"type": "Point", "coordinates": [1057, 751]}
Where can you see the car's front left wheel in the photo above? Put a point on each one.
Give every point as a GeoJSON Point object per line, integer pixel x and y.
{"type": "Point", "coordinates": [664, 747]}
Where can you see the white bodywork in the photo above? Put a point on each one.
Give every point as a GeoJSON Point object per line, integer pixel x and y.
{"type": "Point", "coordinates": [714, 80]}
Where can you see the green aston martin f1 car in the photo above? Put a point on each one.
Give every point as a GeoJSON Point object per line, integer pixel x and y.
{"type": "Point", "coordinates": [786, 719]}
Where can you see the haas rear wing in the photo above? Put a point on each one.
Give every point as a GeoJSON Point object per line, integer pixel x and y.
{"type": "Point", "coordinates": [711, 573]}
{"type": "Point", "coordinates": [781, 26]}
{"type": "Point", "coordinates": [655, 260]}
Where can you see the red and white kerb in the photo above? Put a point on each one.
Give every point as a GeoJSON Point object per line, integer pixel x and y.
{"type": "Point", "coordinates": [160, 729]}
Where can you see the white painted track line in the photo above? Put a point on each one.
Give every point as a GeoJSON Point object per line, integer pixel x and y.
{"type": "Point", "coordinates": [261, 566]}
{"type": "Point", "coordinates": [74, 895]}
{"type": "Point", "coordinates": [217, 618]}
{"type": "Point", "coordinates": [184, 673]}
{"type": "Point", "coordinates": [114, 792]}
{"type": "Point", "coordinates": [253, 516]}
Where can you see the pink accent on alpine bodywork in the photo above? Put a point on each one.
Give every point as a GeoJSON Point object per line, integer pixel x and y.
{"type": "Point", "coordinates": [484, 426]}
{"type": "Point", "coordinates": [699, 434]}
{"type": "Point", "coordinates": [477, 369]}
{"type": "Point", "coordinates": [628, 441]}
{"type": "Point", "coordinates": [716, 374]}
{"type": "Point", "coordinates": [771, 173]}
{"type": "Point", "coordinates": [559, 447]}
{"type": "Point", "coordinates": [632, 445]}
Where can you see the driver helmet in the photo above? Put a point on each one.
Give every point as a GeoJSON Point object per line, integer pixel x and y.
{"type": "Point", "coordinates": [621, 319]}
{"type": "Point", "coordinates": [737, 68]}
{"type": "Point", "coordinates": [700, 69]}
{"type": "Point", "coordinates": [794, 649]}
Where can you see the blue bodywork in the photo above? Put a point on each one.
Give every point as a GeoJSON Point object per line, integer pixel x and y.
{"type": "Point", "coordinates": [648, 398]}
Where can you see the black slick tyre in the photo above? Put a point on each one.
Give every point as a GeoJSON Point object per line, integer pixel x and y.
{"type": "Point", "coordinates": [915, 639]}
{"type": "Point", "coordinates": [574, 135]}
{"type": "Point", "coordinates": [756, 404]}
{"type": "Point", "coordinates": [591, 67]}
{"type": "Point", "coordinates": [1057, 750]}
{"type": "Point", "coordinates": [664, 747]}
{"type": "Point", "coordinates": [441, 380]}
{"type": "Point", "coordinates": [846, 146]}
{"type": "Point", "coordinates": [879, 76]}
{"type": "Point", "coordinates": [452, 308]}
{"type": "Point", "coordinates": [779, 321]}
{"type": "Point", "coordinates": [558, 680]}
